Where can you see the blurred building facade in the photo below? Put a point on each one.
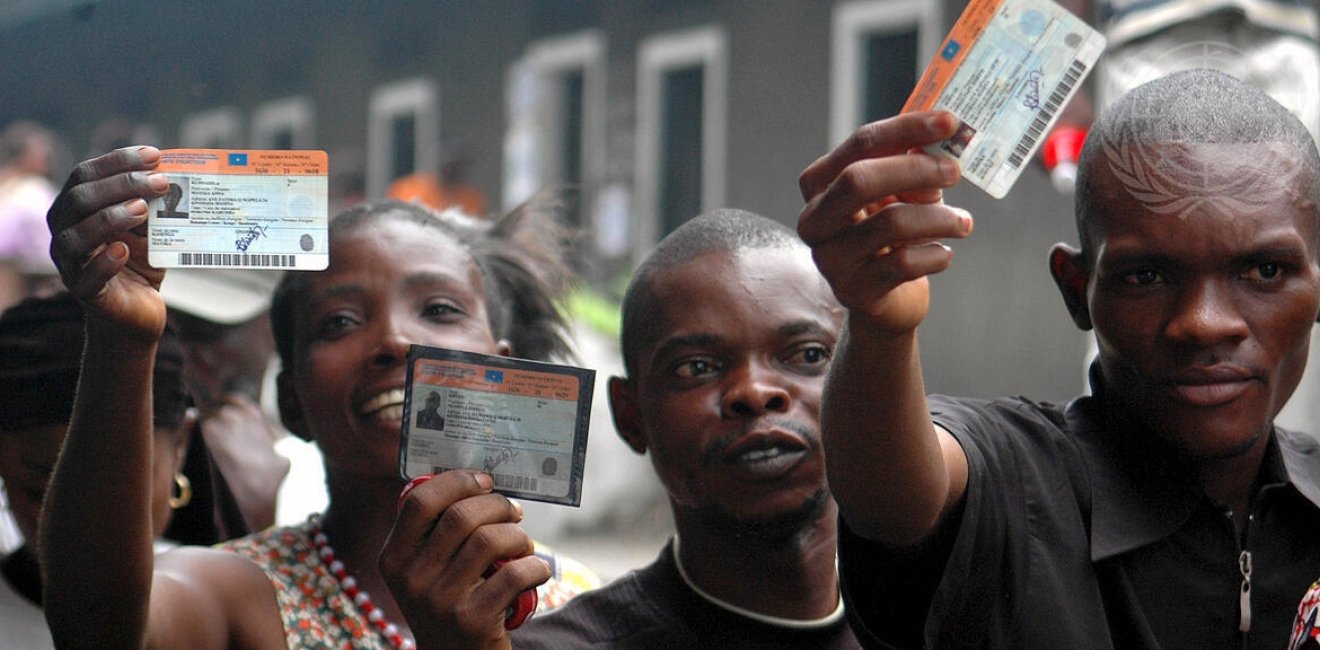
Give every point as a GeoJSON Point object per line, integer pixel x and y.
{"type": "Point", "coordinates": [654, 110]}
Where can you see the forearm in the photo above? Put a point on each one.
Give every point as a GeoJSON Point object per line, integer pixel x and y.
{"type": "Point", "coordinates": [96, 521]}
{"type": "Point", "coordinates": [887, 465]}
{"type": "Point", "coordinates": [241, 441]}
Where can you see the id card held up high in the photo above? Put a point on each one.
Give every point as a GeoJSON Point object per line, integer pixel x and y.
{"type": "Point", "coordinates": [241, 209]}
{"type": "Point", "coordinates": [1005, 70]}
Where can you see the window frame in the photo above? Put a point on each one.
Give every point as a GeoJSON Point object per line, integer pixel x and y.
{"type": "Point", "coordinates": [418, 96]}
{"type": "Point", "coordinates": [706, 46]}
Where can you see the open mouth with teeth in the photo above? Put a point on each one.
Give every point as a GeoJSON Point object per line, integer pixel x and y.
{"type": "Point", "coordinates": [387, 406]}
{"type": "Point", "coordinates": [764, 462]}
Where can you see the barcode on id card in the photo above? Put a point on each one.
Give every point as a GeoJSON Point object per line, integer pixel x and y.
{"type": "Point", "coordinates": [506, 481]}
{"type": "Point", "coordinates": [238, 259]}
{"type": "Point", "coordinates": [1024, 146]}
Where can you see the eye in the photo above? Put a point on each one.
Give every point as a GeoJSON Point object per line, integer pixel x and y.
{"type": "Point", "coordinates": [1263, 272]}
{"type": "Point", "coordinates": [1144, 277]}
{"type": "Point", "coordinates": [333, 325]}
{"type": "Point", "coordinates": [811, 356]}
{"type": "Point", "coordinates": [444, 310]}
{"type": "Point", "coordinates": [695, 368]}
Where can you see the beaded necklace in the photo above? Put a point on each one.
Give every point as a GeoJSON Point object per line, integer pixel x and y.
{"type": "Point", "coordinates": [349, 584]}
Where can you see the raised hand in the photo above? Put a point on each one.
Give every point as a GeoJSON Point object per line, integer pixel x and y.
{"type": "Point", "coordinates": [98, 246]}
{"type": "Point", "coordinates": [874, 215]}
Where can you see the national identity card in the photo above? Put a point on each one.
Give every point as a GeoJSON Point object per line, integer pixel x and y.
{"type": "Point", "coordinates": [523, 422]}
{"type": "Point", "coordinates": [1005, 70]}
{"type": "Point", "coordinates": [241, 209]}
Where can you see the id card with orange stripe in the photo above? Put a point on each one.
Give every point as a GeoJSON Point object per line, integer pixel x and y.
{"type": "Point", "coordinates": [523, 422]}
{"type": "Point", "coordinates": [241, 209]}
{"type": "Point", "coordinates": [1005, 70]}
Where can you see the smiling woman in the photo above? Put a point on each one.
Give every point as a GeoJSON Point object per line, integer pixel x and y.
{"type": "Point", "coordinates": [399, 274]}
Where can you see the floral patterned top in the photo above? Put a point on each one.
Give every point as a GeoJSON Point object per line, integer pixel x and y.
{"type": "Point", "coordinates": [1306, 627]}
{"type": "Point", "coordinates": [318, 614]}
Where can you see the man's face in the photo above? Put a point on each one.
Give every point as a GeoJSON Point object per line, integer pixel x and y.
{"type": "Point", "coordinates": [1203, 296]}
{"type": "Point", "coordinates": [727, 393]}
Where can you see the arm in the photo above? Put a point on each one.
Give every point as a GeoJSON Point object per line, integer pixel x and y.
{"type": "Point", "coordinates": [873, 218]}
{"type": "Point", "coordinates": [449, 530]}
{"type": "Point", "coordinates": [96, 542]}
{"type": "Point", "coordinates": [241, 439]}
{"type": "Point", "coordinates": [96, 521]}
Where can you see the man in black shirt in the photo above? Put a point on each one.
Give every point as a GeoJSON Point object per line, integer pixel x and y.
{"type": "Point", "coordinates": [1164, 512]}
{"type": "Point", "coordinates": [727, 333]}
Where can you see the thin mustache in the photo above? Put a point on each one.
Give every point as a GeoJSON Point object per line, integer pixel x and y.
{"type": "Point", "coordinates": [714, 452]}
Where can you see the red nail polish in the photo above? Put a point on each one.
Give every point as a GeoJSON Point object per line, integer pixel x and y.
{"type": "Point", "coordinates": [409, 488]}
{"type": "Point", "coordinates": [522, 607]}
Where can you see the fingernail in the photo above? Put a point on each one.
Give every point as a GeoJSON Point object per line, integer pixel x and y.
{"type": "Point", "coordinates": [409, 488]}
{"type": "Point", "coordinates": [517, 510]}
{"type": "Point", "coordinates": [949, 170]}
{"type": "Point", "coordinates": [136, 207]}
{"type": "Point", "coordinates": [964, 220]}
{"type": "Point", "coordinates": [936, 122]}
{"type": "Point", "coordinates": [158, 182]}
{"type": "Point", "coordinates": [148, 154]}
{"type": "Point", "coordinates": [484, 480]}
{"type": "Point", "coordinates": [117, 250]}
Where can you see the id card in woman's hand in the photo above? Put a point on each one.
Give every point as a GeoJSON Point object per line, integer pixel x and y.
{"type": "Point", "coordinates": [523, 422]}
{"type": "Point", "coordinates": [241, 209]}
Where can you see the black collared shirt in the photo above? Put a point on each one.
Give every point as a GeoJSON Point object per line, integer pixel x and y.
{"type": "Point", "coordinates": [1077, 532]}
{"type": "Point", "coordinates": [652, 608]}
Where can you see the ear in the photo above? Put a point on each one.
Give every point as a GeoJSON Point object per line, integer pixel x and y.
{"type": "Point", "coordinates": [1071, 275]}
{"type": "Point", "coordinates": [504, 348]}
{"type": "Point", "coordinates": [291, 412]}
{"type": "Point", "coordinates": [623, 407]}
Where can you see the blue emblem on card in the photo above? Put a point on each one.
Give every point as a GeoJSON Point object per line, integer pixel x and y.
{"type": "Point", "coordinates": [495, 376]}
{"type": "Point", "coordinates": [238, 160]}
{"type": "Point", "coordinates": [951, 50]}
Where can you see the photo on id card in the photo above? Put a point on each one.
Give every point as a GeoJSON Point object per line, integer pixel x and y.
{"type": "Point", "coordinates": [523, 422]}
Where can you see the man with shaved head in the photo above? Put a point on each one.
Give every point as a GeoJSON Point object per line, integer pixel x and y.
{"type": "Point", "coordinates": [1164, 511]}
{"type": "Point", "coordinates": [727, 332]}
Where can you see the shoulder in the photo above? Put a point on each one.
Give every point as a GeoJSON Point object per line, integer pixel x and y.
{"type": "Point", "coordinates": [597, 618]}
{"type": "Point", "coordinates": [227, 596]}
{"type": "Point", "coordinates": [1007, 426]}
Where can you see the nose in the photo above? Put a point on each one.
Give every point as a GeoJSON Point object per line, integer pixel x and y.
{"type": "Point", "coordinates": [1206, 314]}
{"type": "Point", "coordinates": [393, 340]}
{"type": "Point", "coordinates": [755, 388]}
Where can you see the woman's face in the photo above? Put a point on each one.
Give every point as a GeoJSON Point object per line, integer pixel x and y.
{"type": "Point", "coordinates": [390, 284]}
{"type": "Point", "coordinates": [27, 459]}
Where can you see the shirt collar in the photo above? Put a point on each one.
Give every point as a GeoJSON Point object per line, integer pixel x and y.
{"type": "Point", "coordinates": [1140, 493]}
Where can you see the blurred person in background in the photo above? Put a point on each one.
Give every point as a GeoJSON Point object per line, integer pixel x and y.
{"type": "Point", "coordinates": [41, 343]}
{"type": "Point", "coordinates": [447, 189]}
{"type": "Point", "coordinates": [26, 149]}
{"type": "Point", "coordinates": [239, 454]}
